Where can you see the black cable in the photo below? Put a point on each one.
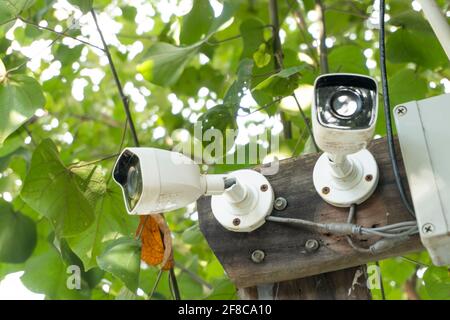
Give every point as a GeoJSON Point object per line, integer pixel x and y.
{"type": "Point", "coordinates": [387, 114]}
{"type": "Point", "coordinates": [174, 284]}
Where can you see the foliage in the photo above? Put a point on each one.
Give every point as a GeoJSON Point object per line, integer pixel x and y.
{"type": "Point", "coordinates": [62, 122]}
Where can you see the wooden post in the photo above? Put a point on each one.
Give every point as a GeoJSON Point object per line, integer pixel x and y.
{"type": "Point", "coordinates": [289, 270]}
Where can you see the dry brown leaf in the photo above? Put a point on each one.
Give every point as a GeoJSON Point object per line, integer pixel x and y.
{"type": "Point", "coordinates": [156, 241]}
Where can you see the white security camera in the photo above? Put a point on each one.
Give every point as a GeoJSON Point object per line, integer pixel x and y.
{"type": "Point", "coordinates": [155, 181]}
{"type": "Point", "coordinates": [344, 114]}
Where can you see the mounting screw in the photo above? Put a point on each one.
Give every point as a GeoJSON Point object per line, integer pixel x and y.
{"type": "Point", "coordinates": [258, 256]}
{"type": "Point", "coordinates": [427, 228]}
{"type": "Point", "coordinates": [280, 203]}
{"type": "Point", "coordinates": [325, 190]}
{"type": "Point", "coordinates": [236, 221]}
{"type": "Point", "coordinates": [312, 245]}
{"type": "Point", "coordinates": [264, 187]}
{"type": "Point", "coordinates": [369, 177]}
{"type": "Point", "coordinates": [401, 110]}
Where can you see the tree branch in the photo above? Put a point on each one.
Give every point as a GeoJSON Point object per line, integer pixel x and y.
{"type": "Point", "coordinates": [303, 28]}
{"type": "Point", "coordinates": [278, 57]}
{"type": "Point", "coordinates": [323, 35]}
{"type": "Point", "coordinates": [125, 101]}
{"type": "Point", "coordinates": [276, 42]}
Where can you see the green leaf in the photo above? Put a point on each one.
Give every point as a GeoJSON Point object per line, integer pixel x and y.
{"type": "Point", "coordinates": [53, 190]}
{"type": "Point", "coordinates": [2, 71]}
{"type": "Point", "coordinates": [252, 31]}
{"type": "Point", "coordinates": [243, 82]}
{"type": "Point", "coordinates": [67, 56]}
{"type": "Point", "coordinates": [219, 117]}
{"type": "Point", "coordinates": [46, 273]}
{"type": "Point", "coordinates": [90, 181]}
{"type": "Point", "coordinates": [89, 278]}
{"type": "Point", "coordinates": [111, 222]}
{"type": "Point", "coordinates": [197, 23]}
{"type": "Point", "coordinates": [407, 85]}
{"type": "Point", "coordinates": [280, 84]}
{"type": "Point", "coordinates": [165, 63]}
{"type": "Point", "coordinates": [17, 235]}
{"type": "Point", "coordinates": [122, 258]}
{"type": "Point", "coordinates": [84, 5]}
{"type": "Point", "coordinates": [11, 144]}
{"type": "Point", "coordinates": [419, 47]}
{"type": "Point", "coordinates": [347, 58]}
{"type": "Point", "coordinates": [192, 235]}
{"type": "Point", "coordinates": [11, 8]}
{"type": "Point", "coordinates": [411, 20]}
{"type": "Point", "coordinates": [20, 97]}
{"type": "Point", "coordinates": [126, 294]}
{"type": "Point", "coordinates": [437, 282]}
{"type": "Point", "coordinates": [261, 57]}
{"type": "Point", "coordinates": [223, 290]}
{"type": "Point", "coordinates": [288, 73]}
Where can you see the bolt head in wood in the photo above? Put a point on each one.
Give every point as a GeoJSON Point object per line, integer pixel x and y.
{"type": "Point", "coordinates": [312, 245]}
{"type": "Point", "coordinates": [258, 256]}
{"type": "Point", "coordinates": [280, 203]}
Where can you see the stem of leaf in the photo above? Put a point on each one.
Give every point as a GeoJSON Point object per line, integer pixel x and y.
{"type": "Point", "coordinates": [61, 34]}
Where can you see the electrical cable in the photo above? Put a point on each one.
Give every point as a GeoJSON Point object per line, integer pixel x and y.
{"type": "Point", "coordinates": [387, 113]}
{"type": "Point", "coordinates": [350, 218]}
{"type": "Point", "coordinates": [391, 235]}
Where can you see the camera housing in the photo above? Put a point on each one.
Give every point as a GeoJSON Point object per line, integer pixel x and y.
{"type": "Point", "coordinates": [155, 181]}
{"type": "Point", "coordinates": [344, 115]}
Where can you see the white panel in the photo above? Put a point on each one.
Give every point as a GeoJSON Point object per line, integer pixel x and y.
{"type": "Point", "coordinates": [424, 133]}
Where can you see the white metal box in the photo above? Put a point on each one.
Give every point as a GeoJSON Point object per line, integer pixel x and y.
{"type": "Point", "coordinates": [424, 132]}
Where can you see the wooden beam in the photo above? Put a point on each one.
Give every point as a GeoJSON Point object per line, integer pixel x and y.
{"type": "Point", "coordinates": [347, 284]}
{"type": "Point", "coordinates": [286, 257]}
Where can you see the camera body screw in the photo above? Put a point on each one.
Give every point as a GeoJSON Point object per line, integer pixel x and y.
{"type": "Point", "coordinates": [428, 228]}
{"type": "Point", "coordinates": [401, 110]}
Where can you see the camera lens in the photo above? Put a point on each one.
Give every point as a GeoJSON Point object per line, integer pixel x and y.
{"type": "Point", "coordinates": [346, 103]}
{"type": "Point", "coordinates": [133, 179]}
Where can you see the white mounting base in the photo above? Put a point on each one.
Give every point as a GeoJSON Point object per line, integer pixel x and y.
{"type": "Point", "coordinates": [355, 188]}
{"type": "Point", "coordinates": [250, 213]}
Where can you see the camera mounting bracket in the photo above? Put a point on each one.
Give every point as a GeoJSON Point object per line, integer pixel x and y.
{"type": "Point", "coordinates": [244, 206]}
{"type": "Point", "coordinates": [355, 187]}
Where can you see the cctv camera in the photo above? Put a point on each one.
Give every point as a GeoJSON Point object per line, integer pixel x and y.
{"type": "Point", "coordinates": [155, 180]}
{"type": "Point", "coordinates": [344, 114]}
